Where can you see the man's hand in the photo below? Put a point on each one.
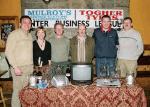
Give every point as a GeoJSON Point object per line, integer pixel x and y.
{"type": "Point", "coordinates": [18, 72]}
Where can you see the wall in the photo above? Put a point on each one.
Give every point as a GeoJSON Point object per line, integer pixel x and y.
{"type": "Point", "coordinates": [139, 11]}
{"type": "Point", "coordinates": [10, 8]}
{"type": "Point", "coordinates": [74, 4]}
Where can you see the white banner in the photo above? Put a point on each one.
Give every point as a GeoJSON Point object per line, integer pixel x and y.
{"type": "Point", "coordinates": [71, 18]}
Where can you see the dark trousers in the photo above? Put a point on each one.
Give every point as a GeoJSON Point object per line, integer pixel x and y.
{"type": "Point", "coordinates": [105, 67]}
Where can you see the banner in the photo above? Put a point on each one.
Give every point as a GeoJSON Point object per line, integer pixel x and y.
{"type": "Point", "coordinates": [71, 18]}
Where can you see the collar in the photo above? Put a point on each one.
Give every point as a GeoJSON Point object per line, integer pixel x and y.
{"type": "Point", "coordinates": [24, 31]}
{"type": "Point", "coordinates": [109, 29]}
{"type": "Point", "coordinates": [59, 38]}
{"type": "Point", "coordinates": [128, 30]}
{"type": "Point", "coordinates": [79, 38]}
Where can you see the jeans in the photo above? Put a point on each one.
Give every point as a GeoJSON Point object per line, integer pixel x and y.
{"type": "Point", "coordinates": [105, 67]}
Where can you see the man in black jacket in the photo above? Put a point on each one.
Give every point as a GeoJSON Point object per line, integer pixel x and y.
{"type": "Point", "coordinates": [106, 41]}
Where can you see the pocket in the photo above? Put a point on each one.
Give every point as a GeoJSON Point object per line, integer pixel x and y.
{"type": "Point", "coordinates": [111, 40]}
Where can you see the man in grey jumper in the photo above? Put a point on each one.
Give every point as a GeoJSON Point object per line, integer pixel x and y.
{"type": "Point", "coordinates": [60, 48]}
{"type": "Point", "coordinates": [130, 48]}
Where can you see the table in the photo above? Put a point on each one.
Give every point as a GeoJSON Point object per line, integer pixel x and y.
{"type": "Point", "coordinates": [84, 96]}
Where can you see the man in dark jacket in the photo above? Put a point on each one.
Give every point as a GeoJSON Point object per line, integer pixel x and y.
{"type": "Point", "coordinates": [82, 47]}
{"type": "Point", "coordinates": [106, 41]}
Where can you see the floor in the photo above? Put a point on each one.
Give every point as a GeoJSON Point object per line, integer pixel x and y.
{"type": "Point", "coordinates": [144, 82]}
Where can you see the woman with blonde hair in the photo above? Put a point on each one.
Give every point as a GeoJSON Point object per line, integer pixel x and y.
{"type": "Point", "coordinates": [41, 49]}
{"type": "Point", "coordinates": [41, 53]}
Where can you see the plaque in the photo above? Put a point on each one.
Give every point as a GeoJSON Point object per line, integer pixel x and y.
{"type": "Point", "coordinates": [6, 29]}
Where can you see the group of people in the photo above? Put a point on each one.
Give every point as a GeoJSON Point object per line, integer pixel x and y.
{"type": "Point", "coordinates": [111, 49]}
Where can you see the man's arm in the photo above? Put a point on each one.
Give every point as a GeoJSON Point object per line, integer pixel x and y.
{"type": "Point", "coordinates": [140, 45]}
{"type": "Point", "coordinates": [10, 48]}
